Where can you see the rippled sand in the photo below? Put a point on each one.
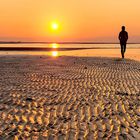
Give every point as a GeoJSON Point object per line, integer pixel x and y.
{"type": "Point", "coordinates": [69, 98]}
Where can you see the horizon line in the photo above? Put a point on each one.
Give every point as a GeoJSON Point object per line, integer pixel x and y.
{"type": "Point", "coordinates": [62, 42]}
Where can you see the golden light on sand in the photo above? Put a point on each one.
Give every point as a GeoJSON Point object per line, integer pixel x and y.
{"type": "Point", "coordinates": [54, 26]}
{"type": "Point", "coordinates": [55, 53]}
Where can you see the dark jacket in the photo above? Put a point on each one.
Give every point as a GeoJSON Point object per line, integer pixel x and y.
{"type": "Point", "coordinates": [123, 36]}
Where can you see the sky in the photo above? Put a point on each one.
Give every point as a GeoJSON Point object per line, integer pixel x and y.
{"type": "Point", "coordinates": [78, 20]}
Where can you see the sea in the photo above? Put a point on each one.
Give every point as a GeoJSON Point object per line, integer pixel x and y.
{"type": "Point", "coordinates": [56, 47]}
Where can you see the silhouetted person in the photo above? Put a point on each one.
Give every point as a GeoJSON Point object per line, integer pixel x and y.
{"type": "Point", "coordinates": [123, 37]}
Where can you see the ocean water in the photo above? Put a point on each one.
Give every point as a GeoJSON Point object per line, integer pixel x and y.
{"type": "Point", "coordinates": [45, 45]}
{"type": "Point", "coordinates": [55, 46]}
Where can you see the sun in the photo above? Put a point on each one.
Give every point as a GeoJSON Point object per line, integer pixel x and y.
{"type": "Point", "coordinates": [54, 26]}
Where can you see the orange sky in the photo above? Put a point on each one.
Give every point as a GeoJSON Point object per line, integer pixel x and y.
{"type": "Point", "coordinates": [79, 20]}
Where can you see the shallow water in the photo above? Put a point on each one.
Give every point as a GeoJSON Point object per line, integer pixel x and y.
{"type": "Point", "coordinates": [98, 49]}
{"type": "Point", "coordinates": [54, 45]}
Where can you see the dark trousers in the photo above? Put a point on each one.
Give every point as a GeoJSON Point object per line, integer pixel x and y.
{"type": "Point", "coordinates": [123, 48]}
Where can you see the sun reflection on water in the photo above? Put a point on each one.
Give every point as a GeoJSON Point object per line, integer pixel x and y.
{"type": "Point", "coordinates": [54, 45]}
{"type": "Point", "coordinates": [54, 53]}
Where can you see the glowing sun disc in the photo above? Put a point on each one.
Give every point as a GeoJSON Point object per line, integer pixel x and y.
{"type": "Point", "coordinates": [54, 26]}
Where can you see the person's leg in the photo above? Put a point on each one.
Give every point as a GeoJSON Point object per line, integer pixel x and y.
{"type": "Point", "coordinates": [122, 51]}
{"type": "Point", "coordinates": [124, 47]}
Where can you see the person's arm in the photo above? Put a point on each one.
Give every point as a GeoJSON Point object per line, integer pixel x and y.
{"type": "Point", "coordinates": [119, 37]}
{"type": "Point", "coordinates": [126, 36]}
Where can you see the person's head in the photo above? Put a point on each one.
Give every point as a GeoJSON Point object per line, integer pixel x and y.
{"type": "Point", "coordinates": [123, 28]}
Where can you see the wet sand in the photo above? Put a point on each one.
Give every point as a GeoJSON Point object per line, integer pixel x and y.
{"type": "Point", "coordinates": [69, 98]}
{"type": "Point", "coordinates": [130, 53]}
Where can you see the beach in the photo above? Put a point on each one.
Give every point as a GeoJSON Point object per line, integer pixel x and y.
{"type": "Point", "coordinates": [70, 97]}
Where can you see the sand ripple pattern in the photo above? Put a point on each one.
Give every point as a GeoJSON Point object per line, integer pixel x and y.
{"type": "Point", "coordinates": [69, 98]}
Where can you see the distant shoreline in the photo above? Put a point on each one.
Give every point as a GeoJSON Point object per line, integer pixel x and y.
{"type": "Point", "coordinates": [51, 49]}
{"type": "Point", "coordinates": [41, 49]}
